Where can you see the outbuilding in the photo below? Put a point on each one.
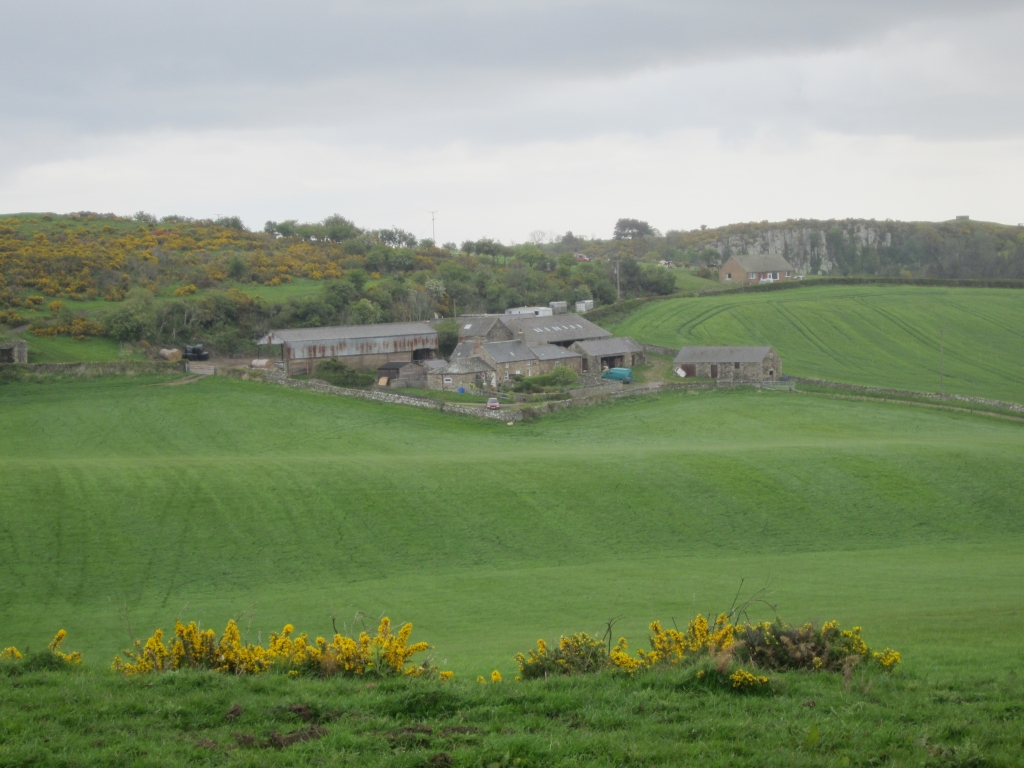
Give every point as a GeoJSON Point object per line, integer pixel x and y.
{"type": "Point", "coordinates": [562, 330]}
{"type": "Point", "coordinates": [601, 354]}
{"type": "Point", "coordinates": [742, 364]}
{"type": "Point", "coordinates": [363, 347]}
{"type": "Point", "coordinates": [14, 351]}
{"type": "Point", "coordinates": [465, 372]}
{"type": "Point", "coordinates": [401, 373]}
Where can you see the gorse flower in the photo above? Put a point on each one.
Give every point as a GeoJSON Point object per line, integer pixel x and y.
{"type": "Point", "coordinates": [387, 653]}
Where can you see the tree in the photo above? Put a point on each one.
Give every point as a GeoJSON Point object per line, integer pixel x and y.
{"type": "Point", "coordinates": [633, 229]}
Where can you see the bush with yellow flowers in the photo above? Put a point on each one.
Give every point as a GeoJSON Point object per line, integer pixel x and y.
{"type": "Point", "coordinates": [386, 654]}
{"type": "Point", "coordinates": [14, 661]}
{"type": "Point", "coordinates": [718, 648]}
{"type": "Point", "coordinates": [574, 655]}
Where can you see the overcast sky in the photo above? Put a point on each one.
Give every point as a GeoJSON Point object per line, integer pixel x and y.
{"type": "Point", "coordinates": [509, 118]}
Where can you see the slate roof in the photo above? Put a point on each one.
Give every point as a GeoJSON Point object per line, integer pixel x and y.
{"type": "Point", "coordinates": [606, 347]}
{"type": "Point", "coordinates": [432, 364]}
{"type": "Point", "coordinates": [554, 329]}
{"type": "Point", "coordinates": [509, 351]}
{"type": "Point", "coordinates": [552, 352]}
{"type": "Point", "coordinates": [764, 262]}
{"type": "Point", "coordinates": [722, 354]}
{"type": "Point", "coordinates": [476, 325]}
{"type": "Point", "coordinates": [338, 332]}
{"type": "Point", "coordinates": [465, 365]}
{"type": "Point", "coordinates": [396, 365]}
{"type": "Point", "coordinates": [462, 349]}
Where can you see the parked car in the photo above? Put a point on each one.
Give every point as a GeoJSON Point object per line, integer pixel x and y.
{"type": "Point", "coordinates": [619, 374]}
{"type": "Point", "coordinates": [196, 353]}
{"type": "Point", "coordinates": [493, 404]}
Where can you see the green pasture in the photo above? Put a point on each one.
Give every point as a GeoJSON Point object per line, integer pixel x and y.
{"type": "Point", "coordinates": [64, 349]}
{"type": "Point", "coordinates": [225, 498]}
{"type": "Point", "coordinates": [687, 281]}
{"type": "Point", "coordinates": [887, 336]}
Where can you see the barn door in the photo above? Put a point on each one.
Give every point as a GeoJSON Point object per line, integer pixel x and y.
{"type": "Point", "coordinates": [714, 371]}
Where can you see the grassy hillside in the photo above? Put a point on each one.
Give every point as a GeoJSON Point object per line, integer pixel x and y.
{"type": "Point", "coordinates": [886, 336]}
{"type": "Point", "coordinates": [220, 497]}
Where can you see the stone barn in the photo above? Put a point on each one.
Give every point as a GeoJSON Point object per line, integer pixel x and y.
{"type": "Point", "coordinates": [363, 347]}
{"type": "Point", "coordinates": [402, 373]}
{"type": "Point", "coordinates": [602, 354]}
{"type": "Point", "coordinates": [15, 351]}
{"type": "Point", "coordinates": [742, 364]}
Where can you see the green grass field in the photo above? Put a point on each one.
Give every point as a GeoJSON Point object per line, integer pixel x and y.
{"type": "Point", "coordinates": [219, 497]}
{"type": "Point", "coordinates": [688, 281]}
{"type": "Point", "coordinates": [886, 336]}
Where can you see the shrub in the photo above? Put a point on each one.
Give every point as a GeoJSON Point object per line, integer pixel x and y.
{"type": "Point", "coordinates": [563, 376]}
{"type": "Point", "coordinates": [340, 375]}
{"type": "Point", "coordinates": [385, 655]}
{"type": "Point", "coordinates": [723, 645]}
{"type": "Point", "coordinates": [13, 661]}
{"type": "Point", "coordinates": [573, 655]}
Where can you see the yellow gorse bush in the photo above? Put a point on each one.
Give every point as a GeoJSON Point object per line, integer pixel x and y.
{"type": "Point", "coordinates": [75, 657]}
{"type": "Point", "coordinates": [385, 654]}
{"type": "Point", "coordinates": [769, 645]}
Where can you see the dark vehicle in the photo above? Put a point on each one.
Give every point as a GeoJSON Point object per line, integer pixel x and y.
{"type": "Point", "coordinates": [196, 353]}
{"type": "Point", "coordinates": [493, 404]}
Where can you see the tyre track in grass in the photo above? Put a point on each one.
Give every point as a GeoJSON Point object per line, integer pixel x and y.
{"type": "Point", "coordinates": [787, 315]}
{"type": "Point", "coordinates": [934, 347]}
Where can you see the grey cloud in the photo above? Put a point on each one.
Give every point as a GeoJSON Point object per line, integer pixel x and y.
{"type": "Point", "coordinates": [420, 72]}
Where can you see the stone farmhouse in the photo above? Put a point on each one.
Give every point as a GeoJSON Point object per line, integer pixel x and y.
{"type": "Point", "coordinates": [741, 364]}
{"type": "Point", "coordinates": [751, 269]}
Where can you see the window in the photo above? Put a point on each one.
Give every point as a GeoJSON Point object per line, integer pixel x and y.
{"type": "Point", "coordinates": [775, 275]}
{"type": "Point", "coordinates": [736, 366]}
{"type": "Point", "coordinates": [506, 375]}
{"type": "Point", "coordinates": [751, 275]}
{"type": "Point", "coordinates": [447, 379]}
{"type": "Point", "coordinates": [789, 274]}
{"type": "Point", "coordinates": [728, 275]}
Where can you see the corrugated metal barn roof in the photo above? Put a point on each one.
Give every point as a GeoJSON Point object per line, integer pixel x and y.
{"type": "Point", "coordinates": [346, 332]}
{"type": "Point", "coordinates": [557, 328]}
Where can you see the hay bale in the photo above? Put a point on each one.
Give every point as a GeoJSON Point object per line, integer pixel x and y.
{"type": "Point", "coordinates": [262, 363]}
{"type": "Point", "coordinates": [171, 355]}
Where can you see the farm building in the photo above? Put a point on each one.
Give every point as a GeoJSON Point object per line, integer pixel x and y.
{"type": "Point", "coordinates": [747, 364]}
{"type": "Point", "coordinates": [509, 358]}
{"type": "Point", "coordinates": [749, 269]}
{"type": "Point", "coordinates": [562, 330]}
{"type": "Point", "coordinates": [484, 327]}
{"type": "Point", "coordinates": [600, 354]}
{"type": "Point", "coordinates": [551, 355]}
{"type": "Point", "coordinates": [402, 373]}
{"type": "Point", "coordinates": [465, 372]}
{"type": "Point", "coordinates": [514, 358]}
{"type": "Point", "coordinates": [14, 351]}
{"type": "Point", "coordinates": [364, 347]}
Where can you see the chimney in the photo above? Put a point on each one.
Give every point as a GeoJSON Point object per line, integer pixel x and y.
{"type": "Point", "coordinates": [521, 335]}
{"type": "Point", "coordinates": [478, 345]}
